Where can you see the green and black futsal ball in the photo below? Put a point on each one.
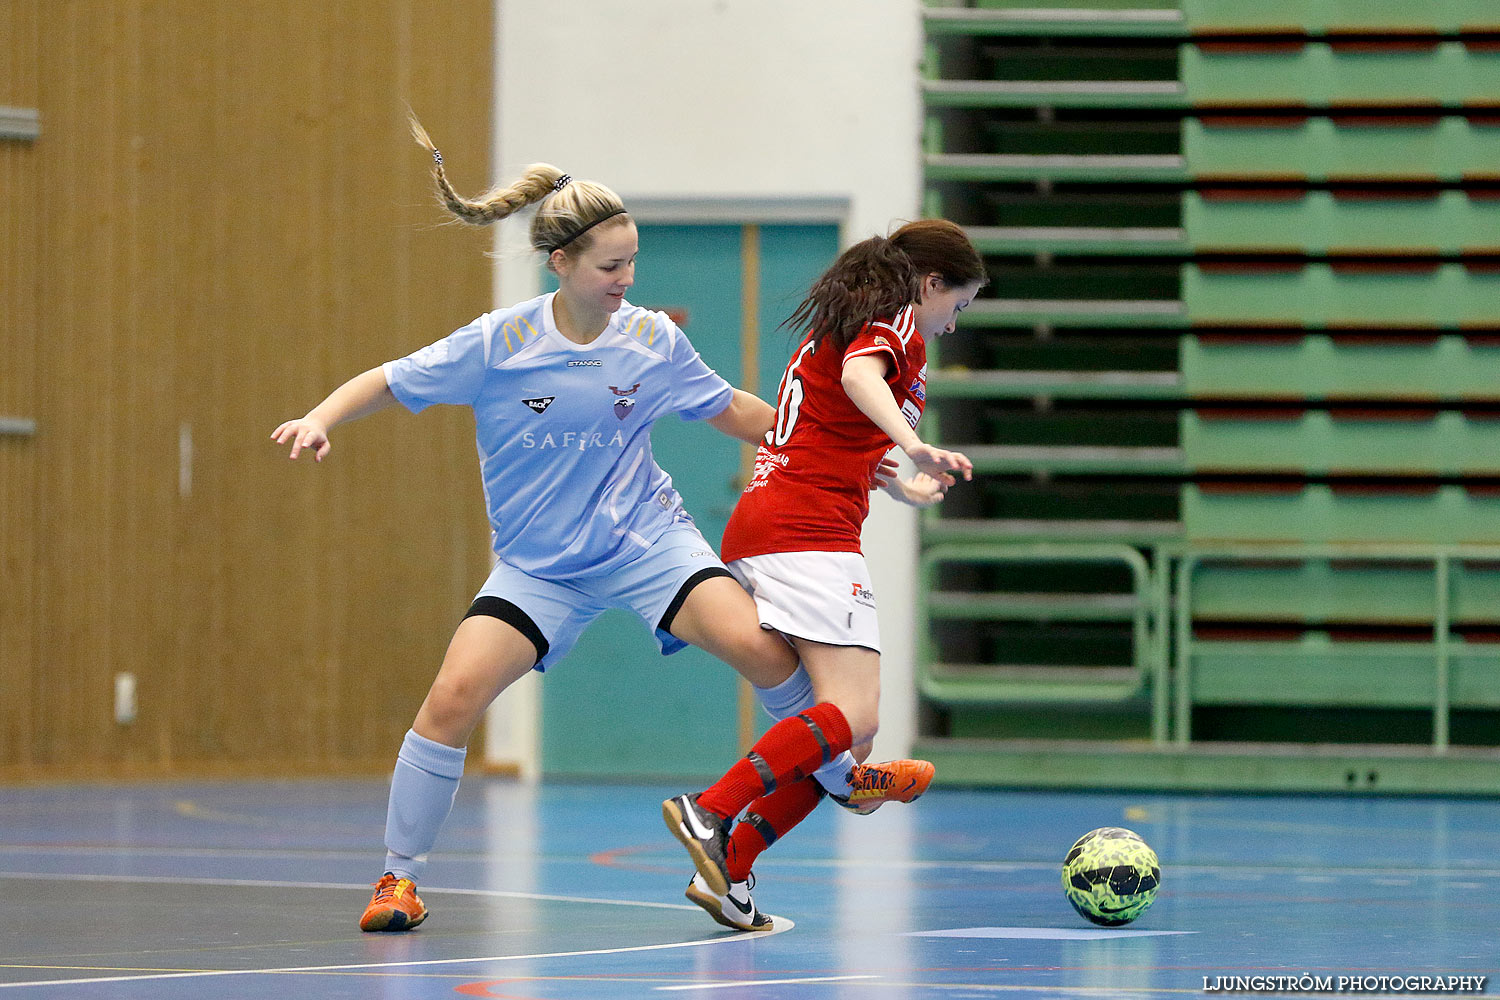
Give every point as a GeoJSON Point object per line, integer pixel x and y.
{"type": "Point", "coordinates": [1110, 876]}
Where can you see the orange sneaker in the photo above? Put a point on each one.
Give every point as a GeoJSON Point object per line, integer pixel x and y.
{"type": "Point", "coordinates": [394, 907]}
{"type": "Point", "coordinates": [892, 781]}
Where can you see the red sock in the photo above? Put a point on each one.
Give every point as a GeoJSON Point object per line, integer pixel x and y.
{"type": "Point", "coordinates": [769, 818]}
{"type": "Point", "coordinates": [791, 750]}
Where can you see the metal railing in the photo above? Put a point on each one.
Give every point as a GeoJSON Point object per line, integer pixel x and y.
{"type": "Point", "coordinates": [1142, 608]}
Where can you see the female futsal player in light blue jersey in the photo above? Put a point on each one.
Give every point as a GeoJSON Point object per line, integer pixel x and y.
{"type": "Point", "coordinates": [564, 389]}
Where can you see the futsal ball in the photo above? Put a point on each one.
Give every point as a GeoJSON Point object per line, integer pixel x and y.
{"type": "Point", "coordinates": [1110, 876]}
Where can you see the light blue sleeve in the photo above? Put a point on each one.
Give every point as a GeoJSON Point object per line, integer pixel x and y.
{"type": "Point", "coordinates": [449, 371]}
{"type": "Point", "coordinates": [698, 392]}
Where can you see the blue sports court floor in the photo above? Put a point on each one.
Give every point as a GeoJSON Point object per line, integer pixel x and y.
{"type": "Point", "coordinates": [562, 891]}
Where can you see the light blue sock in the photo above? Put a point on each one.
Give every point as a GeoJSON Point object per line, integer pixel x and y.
{"type": "Point", "coordinates": [793, 695]}
{"type": "Point", "coordinates": [422, 790]}
{"type": "Point", "coordinates": [789, 697]}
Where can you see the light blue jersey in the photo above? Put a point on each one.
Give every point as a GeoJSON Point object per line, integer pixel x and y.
{"type": "Point", "coordinates": [564, 429]}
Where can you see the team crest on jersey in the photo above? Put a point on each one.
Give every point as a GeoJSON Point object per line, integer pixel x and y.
{"type": "Point", "coordinates": [624, 404]}
{"type": "Point", "coordinates": [882, 342]}
{"type": "Point", "coordinates": [539, 404]}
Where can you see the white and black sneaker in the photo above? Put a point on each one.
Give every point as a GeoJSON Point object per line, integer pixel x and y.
{"type": "Point", "coordinates": [704, 834]}
{"type": "Point", "coordinates": [733, 909]}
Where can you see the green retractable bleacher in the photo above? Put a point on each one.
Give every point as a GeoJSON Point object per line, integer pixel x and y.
{"type": "Point", "coordinates": [1233, 392]}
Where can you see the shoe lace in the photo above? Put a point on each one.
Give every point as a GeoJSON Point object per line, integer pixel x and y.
{"type": "Point", "coordinates": [386, 888]}
{"type": "Point", "coordinates": [871, 778]}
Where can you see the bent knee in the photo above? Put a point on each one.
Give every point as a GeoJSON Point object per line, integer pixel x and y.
{"type": "Point", "coordinates": [451, 711]}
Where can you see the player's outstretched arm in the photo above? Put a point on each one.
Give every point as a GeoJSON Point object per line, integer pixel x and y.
{"type": "Point", "coordinates": [361, 395]}
{"type": "Point", "coordinates": [747, 417]}
{"type": "Point", "coordinates": [864, 381]}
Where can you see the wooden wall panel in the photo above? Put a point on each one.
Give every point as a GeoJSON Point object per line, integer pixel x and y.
{"type": "Point", "coordinates": [246, 224]}
{"type": "Point", "coordinates": [18, 321]}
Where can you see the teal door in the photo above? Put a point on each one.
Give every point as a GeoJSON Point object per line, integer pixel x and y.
{"type": "Point", "coordinates": [615, 705]}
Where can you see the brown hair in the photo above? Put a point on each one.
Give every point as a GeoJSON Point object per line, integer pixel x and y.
{"type": "Point", "coordinates": [878, 277]}
{"type": "Point", "coordinates": [565, 219]}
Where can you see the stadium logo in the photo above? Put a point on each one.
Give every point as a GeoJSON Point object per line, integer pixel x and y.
{"type": "Point", "coordinates": [539, 404]}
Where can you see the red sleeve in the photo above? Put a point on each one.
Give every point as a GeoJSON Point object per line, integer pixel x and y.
{"type": "Point", "coordinates": [876, 342]}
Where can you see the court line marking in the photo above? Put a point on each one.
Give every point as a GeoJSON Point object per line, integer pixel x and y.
{"type": "Point", "coordinates": [1045, 933]}
{"type": "Point", "coordinates": [306, 969]}
{"type": "Point", "coordinates": [780, 925]}
{"type": "Point", "coordinates": [1061, 991]}
{"type": "Point", "coordinates": [778, 928]}
{"type": "Point", "coordinates": [279, 884]}
{"type": "Point", "coordinates": [762, 982]}
{"type": "Point", "coordinates": [1217, 871]}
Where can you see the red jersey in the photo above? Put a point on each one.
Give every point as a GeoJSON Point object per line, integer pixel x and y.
{"type": "Point", "coordinates": [811, 487]}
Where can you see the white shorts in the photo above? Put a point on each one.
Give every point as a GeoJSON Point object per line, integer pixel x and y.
{"type": "Point", "coordinates": [822, 596]}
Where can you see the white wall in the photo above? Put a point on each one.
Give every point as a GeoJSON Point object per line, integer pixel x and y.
{"type": "Point", "coordinates": [733, 99]}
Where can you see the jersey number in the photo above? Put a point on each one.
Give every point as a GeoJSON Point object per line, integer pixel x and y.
{"type": "Point", "coordinates": [789, 404]}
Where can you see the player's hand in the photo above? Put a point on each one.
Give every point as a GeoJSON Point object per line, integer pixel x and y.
{"type": "Point", "coordinates": [303, 433]}
{"type": "Point", "coordinates": [923, 490]}
{"type": "Point", "coordinates": [886, 473]}
{"type": "Point", "coordinates": [939, 463]}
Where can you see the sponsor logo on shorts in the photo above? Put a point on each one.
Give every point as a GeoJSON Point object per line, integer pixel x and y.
{"type": "Point", "coordinates": [862, 595]}
{"type": "Point", "coordinates": [699, 555]}
{"type": "Point", "coordinates": [539, 404]}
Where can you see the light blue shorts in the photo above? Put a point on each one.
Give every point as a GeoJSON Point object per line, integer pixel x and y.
{"type": "Point", "coordinates": [553, 613]}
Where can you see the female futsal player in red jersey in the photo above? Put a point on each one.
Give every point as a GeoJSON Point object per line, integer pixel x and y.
{"type": "Point", "coordinates": [855, 386]}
